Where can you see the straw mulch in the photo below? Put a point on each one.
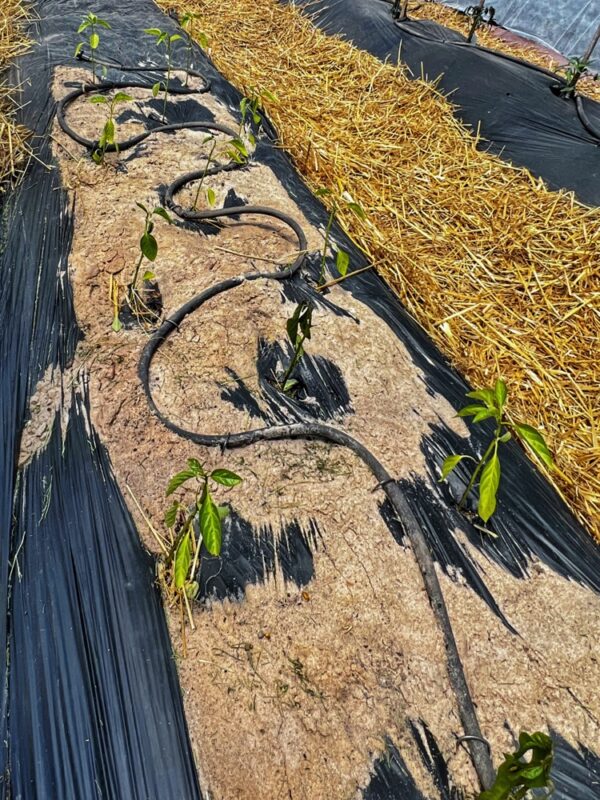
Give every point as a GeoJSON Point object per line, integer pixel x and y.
{"type": "Point", "coordinates": [491, 37]}
{"type": "Point", "coordinates": [12, 43]}
{"type": "Point", "coordinates": [502, 273]}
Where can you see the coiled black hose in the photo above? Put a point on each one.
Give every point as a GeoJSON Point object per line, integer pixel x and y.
{"type": "Point", "coordinates": [478, 746]}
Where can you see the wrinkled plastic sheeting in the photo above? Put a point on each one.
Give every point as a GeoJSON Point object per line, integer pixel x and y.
{"type": "Point", "coordinates": [565, 25]}
{"type": "Point", "coordinates": [511, 104]}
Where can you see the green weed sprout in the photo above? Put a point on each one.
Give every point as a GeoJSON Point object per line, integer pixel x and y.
{"type": "Point", "coordinates": [166, 39]}
{"type": "Point", "coordinates": [343, 199]}
{"type": "Point", "coordinates": [187, 21]}
{"type": "Point", "coordinates": [516, 777]}
{"type": "Point", "coordinates": [199, 507]}
{"type": "Point", "coordinates": [109, 132]}
{"type": "Point", "coordinates": [148, 250]}
{"type": "Point", "coordinates": [491, 405]}
{"type": "Point", "coordinates": [299, 327]}
{"type": "Point", "coordinates": [91, 22]}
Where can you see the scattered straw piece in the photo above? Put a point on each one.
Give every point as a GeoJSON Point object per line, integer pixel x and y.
{"type": "Point", "coordinates": [12, 43]}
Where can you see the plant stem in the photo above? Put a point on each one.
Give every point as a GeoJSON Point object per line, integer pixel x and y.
{"type": "Point", "coordinates": [326, 242]}
{"type": "Point", "coordinates": [168, 79]}
{"type": "Point", "coordinates": [293, 362]}
{"type": "Point", "coordinates": [93, 55]}
{"type": "Point", "coordinates": [208, 161]}
{"type": "Point", "coordinates": [479, 467]}
{"type": "Point", "coordinates": [136, 273]}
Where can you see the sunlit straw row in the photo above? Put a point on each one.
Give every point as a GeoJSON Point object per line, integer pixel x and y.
{"type": "Point", "coordinates": [12, 43]}
{"type": "Point", "coordinates": [502, 273]}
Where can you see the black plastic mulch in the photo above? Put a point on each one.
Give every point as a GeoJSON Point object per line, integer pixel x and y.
{"type": "Point", "coordinates": [91, 707]}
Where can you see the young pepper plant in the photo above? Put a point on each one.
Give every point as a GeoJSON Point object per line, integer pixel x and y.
{"type": "Point", "coordinates": [252, 110]}
{"type": "Point", "coordinates": [166, 39]}
{"type": "Point", "coordinates": [491, 404]}
{"type": "Point", "coordinates": [573, 72]}
{"type": "Point", "coordinates": [187, 22]}
{"type": "Point", "coordinates": [516, 777]}
{"type": "Point", "coordinates": [342, 200]}
{"type": "Point", "coordinates": [148, 250]}
{"type": "Point", "coordinates": [200, 513]}
{"type": "Point", "coordinates": [91, 22]}
{"type": "Point", "coordinates": [299, 328]}
{"type": "Point", "coordinates": [109, 132]}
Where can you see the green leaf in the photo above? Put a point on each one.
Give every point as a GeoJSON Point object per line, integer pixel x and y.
{"type": "Point", "coordinates": [94, 41]}
{"type": "Point", "coordinates": [142, 206]}
{"type": "Point", "coordinates": [500, 393]}
{"type": "Point", "coordinates": [269, 96]}
{"type": "Point", "coordinates": [171, 514]}
{"type": "Point", "coordinates": [109, 132]}
{"type": "Point", "coordinates": [148, 275]}
{"type": "Point", "coordinates": [116, 323]}
{"type": "Point", "coordinates": [289, 385]}
{"type": "Point", "coordinates": [122, 97]}
{"type": "Point", "coordinates": [102, 22]}
{"type": "Point", "coordinates": [471, 410]}
{"type": "Point", "coordinates": [159, 211]}
{"type": "Point", "coordinates": [153, 31]}
{"type": "Point", "coordinates": [488, 487]}
{"type": "Point", "coordinates": [322, 192]}
{"type": "Point", "coordinates": [97, 99]}
{"type": "Point", "coordinates": [505, 437]}
{"type": "Point", "coordinates": [156, 89]}
{"type": "Point", "coordinates": [450, 462]}
{"type": "Point", "coordinates": [196, 467]}
{"type": "Point", "coordinates": [211, 197]}
{"type": "Point", "coordinates": [174, 37]}
{"type": "Point", "coordinates": [485, 413]}
{"type": "Point", "coordinates": [179, 479]}
{"type": "Point", "coordinates": [78, 49]}
{"type": "Point", "coordinates": [358, 210]}
{"type": "Point", "coordinates": [98, 156]}
{"type": "Point", "coordinates": [239, 146]}
{"type": "Point", "coordinates": [191, 589]}
{"type": "Point", "coordinates": [342, 262]}
{"type": "Point", "coordinates": [225, 477]}
{"type": "Point", "coordinates": [149, 246]}
{"type": "Point", "coordinates": [486, 395]}
{"type": "Point", "coordinates": [183, 560]}
{"type": "Point", "coordinates": [536, 441]}
{"type": "Point", "coordinates": [202, 40]}
{"type": "Point", "coordinates": [292, 325]}
{"type": "Point", "coordinates": [210, 525]}
{"type": "Point", "coordinates": [84, 25]}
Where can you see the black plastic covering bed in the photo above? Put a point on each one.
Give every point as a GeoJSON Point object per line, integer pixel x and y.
{"type": "Point", "coordinates": [510, 102]}
{"type": "Point", "coordinates": [90, 704]}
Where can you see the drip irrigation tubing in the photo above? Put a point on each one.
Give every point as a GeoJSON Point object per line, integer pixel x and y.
{"type": "Point", "coordinates": [478, 746]}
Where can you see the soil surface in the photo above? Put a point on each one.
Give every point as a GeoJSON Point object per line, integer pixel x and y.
{"type": "Point", "coordinates": [291, 689]}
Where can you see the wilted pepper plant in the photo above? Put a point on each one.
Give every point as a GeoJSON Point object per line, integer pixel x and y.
{"type": "Point", "coordinates": [491, 404]}
{"type": "Point", "coordinates": [299, 329]}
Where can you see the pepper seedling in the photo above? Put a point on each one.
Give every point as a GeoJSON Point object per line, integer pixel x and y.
{"type": "Point", "coordinates": [340, 200]}
{"type": "Point", "coordinates": [187, 22]}
{"type": "Point", "coordinates": [299, 329]}
{"type": "Point", "coordinates": [166, 39]}
{"type": "Point", "coordinates": [195, 512]}
{"type": "Point", "coordinates": [91, 22]}
{"type": "Point", "coordinates": [149, 251]}
{"type": "Point", "coordinates": [492, 405]}
{"type": "Point", "coordinates": [516, 777]}
{"type": "Point", "coordinates": [109, 132]}
{"type": "Point", "coordinates": [573, 72]}
{"type": "Point", "coordinates": [252, 110]}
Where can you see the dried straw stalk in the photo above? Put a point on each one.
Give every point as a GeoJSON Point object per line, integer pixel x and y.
{"type": "Point", "coordinates": [13, 42]}
{"type": "Point", "coordinates": [501, 272]}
